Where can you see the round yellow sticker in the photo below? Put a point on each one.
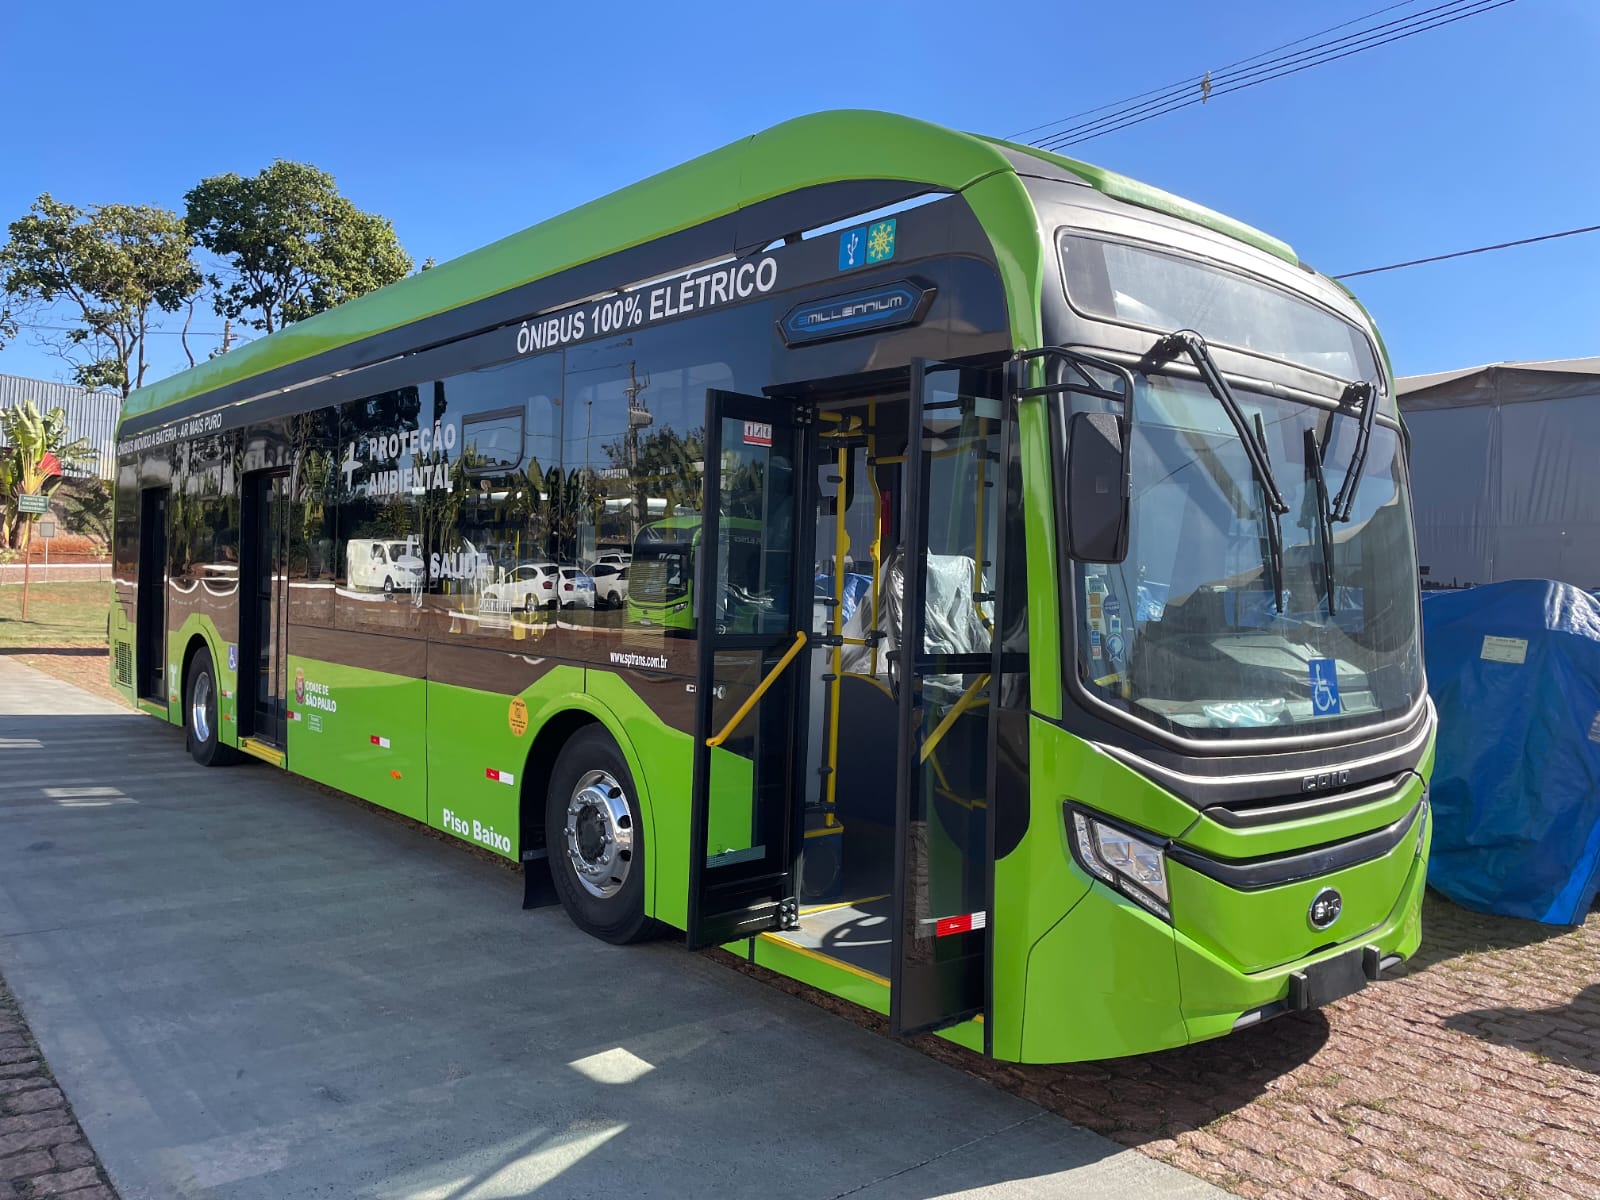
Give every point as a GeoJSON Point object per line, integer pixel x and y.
{"type": "Point", "coordinates": [518, 717]}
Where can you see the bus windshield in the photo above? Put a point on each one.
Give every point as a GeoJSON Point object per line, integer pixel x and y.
{"type": "Point", "coordinates": [1186, 633]}
{"type": "Point", "coordinates": [1139, 286]}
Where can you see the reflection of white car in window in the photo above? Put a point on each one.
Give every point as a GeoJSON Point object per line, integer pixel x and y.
{"type": "Point", "coordinates": [383, 564]}
{"type": "Point", "coordinates": [527, 586]}
{"type": "Point", "coordinates": [615, 558]}
{"type": "Point", "coordinates": [577, 589]}
{"type": "Point", "coordinates": [610, 584]}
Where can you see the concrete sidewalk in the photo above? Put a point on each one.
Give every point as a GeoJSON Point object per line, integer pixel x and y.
{"type": "Point", "coordinates": [248, 989]}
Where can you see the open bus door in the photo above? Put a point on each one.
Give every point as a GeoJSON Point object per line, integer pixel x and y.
{"type": "Point", "coordinates": [752, 605]}
{"type": "Point", "coordinates": [264, 608]}
{"type": "Point", "coordinates": [941, 671]}
{"type": "Point", "coordinates": [150, 656]}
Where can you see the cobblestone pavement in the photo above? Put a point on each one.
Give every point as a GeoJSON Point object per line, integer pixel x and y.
{"type": "Point", "coordinates": [42, 1149]}
{"type": "Point", "coordinates": [1476, 1074]}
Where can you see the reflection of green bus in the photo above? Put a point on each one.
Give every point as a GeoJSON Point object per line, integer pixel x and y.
{"type": "Point", "coordinates": [662, 571]}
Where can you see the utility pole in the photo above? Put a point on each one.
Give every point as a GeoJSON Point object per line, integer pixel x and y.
{"type": "Point", "coordinates": [638, 418]}
{"type": "Point", "coordinates": [227, 334]}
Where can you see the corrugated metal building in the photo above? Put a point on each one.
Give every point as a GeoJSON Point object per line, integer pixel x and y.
{"type": "Point", "coordinates": [1503, 472]}
{"type": "Point", "coordinates": [91, 415]}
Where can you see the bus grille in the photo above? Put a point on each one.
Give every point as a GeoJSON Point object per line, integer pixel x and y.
{"type": "Point", "coordinates": [123, 652]}
{"type": "Point", "coordinates": [1275, 810]}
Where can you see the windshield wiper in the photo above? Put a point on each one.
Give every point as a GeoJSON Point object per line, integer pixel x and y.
{"type": "Point", "coordinates": [1324, 513]}
{"type": "Point", "coordinates": [1367, 395]}
{"type": "Point", "coordinates": [1254, 441]}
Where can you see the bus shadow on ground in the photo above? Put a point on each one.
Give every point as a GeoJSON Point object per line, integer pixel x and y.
{"type": "Point", "coordinates": [1154, 1097]}
{"type": "Point", "coordinates": [56, 651]}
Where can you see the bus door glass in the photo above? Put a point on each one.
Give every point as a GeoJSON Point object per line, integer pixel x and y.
{"type": "Point", "coordinates": [942, 661]}
{"type": "Point", "coordinates": [151, 650]}
{"type": "Point", "coordinates": [264, 606]}
{"type": "Point", "coordinates": [751, 602]}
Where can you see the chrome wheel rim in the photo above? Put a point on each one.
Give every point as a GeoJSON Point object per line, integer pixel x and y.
{"type": "Point", "coordinates": [600, 834]}
{"type": "Point", "coordinates": [200, 707]}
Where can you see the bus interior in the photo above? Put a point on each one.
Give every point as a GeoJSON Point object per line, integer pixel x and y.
{"type": "Point", "coordinates": [847, 864]}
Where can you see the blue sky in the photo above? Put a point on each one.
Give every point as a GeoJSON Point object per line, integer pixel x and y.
{"type": "Point", "coordinates": [465, 122]}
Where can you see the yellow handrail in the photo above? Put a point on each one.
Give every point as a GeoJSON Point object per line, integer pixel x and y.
{"type": "Point", "coordinates": [761, 690]}
{"type": "Point", "coordinates": [956, 710]}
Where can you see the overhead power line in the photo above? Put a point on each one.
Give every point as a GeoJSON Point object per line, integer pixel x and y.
{"type": "Point", "coordinates": [1241, 75]}
{"type": "Point", "coordinates": [1194, 80]}
{"type": "Point", "coordinates": [1417, 262]}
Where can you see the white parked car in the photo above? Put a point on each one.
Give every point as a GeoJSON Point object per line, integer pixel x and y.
{"type": "Point", "coordinates": [610, 584]}
{"type": "Point", "coordinates": [382, 564]}
{"type": "Point", "coordinates": [527, 586]}
{"type": "Point", "coordinates": [576, 589]}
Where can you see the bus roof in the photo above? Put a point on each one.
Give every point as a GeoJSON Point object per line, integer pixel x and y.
{"type": "Point", "coordinates": [817, 149]}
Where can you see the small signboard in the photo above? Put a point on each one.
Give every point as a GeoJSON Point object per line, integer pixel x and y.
{"type": "Point", "coordinates": [29, 503]}
{"type": "Point", "coordinates": [47, 527]}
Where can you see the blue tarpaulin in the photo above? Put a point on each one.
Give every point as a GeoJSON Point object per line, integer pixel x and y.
{"type": "Point", "coordinates": [1514, 670]}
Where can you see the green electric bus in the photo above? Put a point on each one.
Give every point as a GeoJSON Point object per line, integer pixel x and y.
{"type": "Point", "coordinates": [1047, 670]}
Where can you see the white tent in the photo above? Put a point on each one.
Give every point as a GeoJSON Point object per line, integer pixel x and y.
{"type": "Point", "coordinates": [1505, 471]}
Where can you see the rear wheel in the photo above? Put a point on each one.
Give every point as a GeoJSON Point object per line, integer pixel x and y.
{"type": "Point", "coordinates": [201, 713]}
{"type": "Point", "coordinates": [596, 840]}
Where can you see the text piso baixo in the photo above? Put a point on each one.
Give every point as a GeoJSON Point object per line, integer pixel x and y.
{"type": "Point", "coordinates": [484, 835]}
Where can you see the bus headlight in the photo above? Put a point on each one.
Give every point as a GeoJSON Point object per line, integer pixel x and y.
{"type": "Point", "coordinates": [1133, 865]}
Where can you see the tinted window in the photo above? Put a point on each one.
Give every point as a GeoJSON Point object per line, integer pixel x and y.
{"type": "Point", "coordinates": [1165, 292]}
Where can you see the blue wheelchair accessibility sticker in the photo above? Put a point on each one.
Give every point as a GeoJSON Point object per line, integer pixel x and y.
{"type": "Point", "coordinates": [233, 656]}
{"type": "Point", "coordinates": [1324, 687]}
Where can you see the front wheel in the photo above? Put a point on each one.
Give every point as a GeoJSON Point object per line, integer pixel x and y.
{"type": "Point", "coordinates": [201, 714]}
{"type": "Point", "coordinates": [596, 840]}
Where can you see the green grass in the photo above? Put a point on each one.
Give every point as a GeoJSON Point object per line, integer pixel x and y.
{"type": "Point", "coordinates": [58, 614]}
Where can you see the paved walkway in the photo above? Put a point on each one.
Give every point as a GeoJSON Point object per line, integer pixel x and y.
{"type": "Point", "coordinates": [250, 990]}
{"type": "Point", "coordinates": [56, 572]}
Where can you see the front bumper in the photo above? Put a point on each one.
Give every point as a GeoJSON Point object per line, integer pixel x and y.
{"type": "Point", "coordinates": [1110, 979]}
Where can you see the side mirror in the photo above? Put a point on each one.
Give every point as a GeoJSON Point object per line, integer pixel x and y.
{"type": "Point", "coordinates": [1097, 487]}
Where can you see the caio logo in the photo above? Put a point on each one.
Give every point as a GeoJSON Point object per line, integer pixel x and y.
{"type": "Point", "coordinates": [299, 686]}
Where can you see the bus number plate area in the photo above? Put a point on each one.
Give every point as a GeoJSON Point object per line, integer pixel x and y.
{"type": "Point", "coordinates": [1324, 982]}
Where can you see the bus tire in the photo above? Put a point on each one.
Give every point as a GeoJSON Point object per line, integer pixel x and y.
{"type": "Point", "coordinates": [596, 839]}
{"type": "Point", "coordinates": [201, 713]}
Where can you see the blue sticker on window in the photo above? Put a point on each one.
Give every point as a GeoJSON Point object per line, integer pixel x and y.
{"type": "Point", "coordinates": [867, 244]}
{"type": "Point", "coordinates": [1324, 687]}
{"type": "Point", "coordinates": [880, 241]}
{"type": "Point", "coordinates": [233, 656]}
{"type": "Point", "coordinates": [853, 248]}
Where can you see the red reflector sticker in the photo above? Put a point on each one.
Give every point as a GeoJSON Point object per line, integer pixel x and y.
{"type": "Point", "coordinates": [380, 741]}
{"type": "Point", "coordinates": [965, 923]}
{"type": "Point", "coordinates": [499, 776]}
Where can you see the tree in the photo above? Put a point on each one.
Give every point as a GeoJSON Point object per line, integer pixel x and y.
{"type": "Point", "coordinates": [37, 449]}
{"type": "Point", "coordinates": [88, 505]}
{"type": "Point", "coordinates": [290, 244]}
{"type": "Point", "coordinates": [110, 265]}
